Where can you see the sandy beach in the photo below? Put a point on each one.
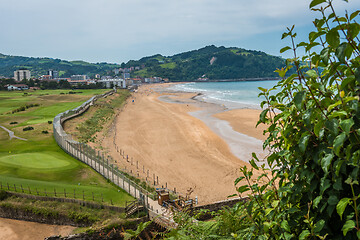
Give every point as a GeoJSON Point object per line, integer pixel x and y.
{"type": "Point", "coordinates": [185, 142]}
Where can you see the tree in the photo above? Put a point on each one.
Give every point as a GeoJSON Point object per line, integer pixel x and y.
{"type": "Point", "coordinates": [314, 136]}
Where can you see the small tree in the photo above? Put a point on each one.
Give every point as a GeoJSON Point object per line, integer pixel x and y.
{"type": "Point", "coordinates": [314, 137]}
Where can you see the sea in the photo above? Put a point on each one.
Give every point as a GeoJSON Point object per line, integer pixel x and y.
{"type": "Point", "coordinates": [242, 94]}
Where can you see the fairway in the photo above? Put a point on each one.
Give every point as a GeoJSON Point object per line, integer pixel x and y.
{"type": "Point", "coordinates": [39, 163]}
{"type": "Point", "coordinates": [48, 161]}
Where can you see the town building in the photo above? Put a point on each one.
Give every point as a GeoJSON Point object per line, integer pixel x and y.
{"type": "Point", "coordinates": [46, 78]}
{"type": "Point", "coordinates": [20, 75]}
{"type": "Point", "coordinates": [79, 77]}
{"type": "Point", "coordinates": [12, 87]}
{"type": "Point", "coordinates": [54, 74]}
{"type": "Point", "coordinates": [115, 82]}
{"type": "Point", "coordinates": [126, 75]}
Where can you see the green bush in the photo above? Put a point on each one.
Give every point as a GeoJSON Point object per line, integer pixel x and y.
{"type": "Point", "coordinates": [3, 195]}
{"type": "Point", "coordinates": [28, 128]}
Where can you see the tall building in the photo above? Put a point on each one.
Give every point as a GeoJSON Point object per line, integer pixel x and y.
{"type": "Point", "coordinates": [54, 74]}
{"type": "Point", "coordinates": [20, 75]}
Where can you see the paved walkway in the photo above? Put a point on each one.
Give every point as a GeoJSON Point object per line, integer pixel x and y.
{"type": "Point", "coordinates": [11, 134]}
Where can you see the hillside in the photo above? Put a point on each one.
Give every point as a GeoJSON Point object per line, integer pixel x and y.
{"type": "Point", "coordinates": [40, 66]}
{"type": "Point", "coordinates": [211, 62]}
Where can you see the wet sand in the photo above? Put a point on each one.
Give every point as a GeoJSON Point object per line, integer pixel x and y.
{"type": "Point", "coordinates": [178, 139]}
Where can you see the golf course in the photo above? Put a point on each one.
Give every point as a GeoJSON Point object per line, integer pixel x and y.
{"type": "Point", "coordinates": [37, 165]}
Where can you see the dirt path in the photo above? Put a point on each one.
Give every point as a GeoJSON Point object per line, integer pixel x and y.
{"type": "Point", "coordinates": [21, 230]}
{"type": "Point", "coordinates": [11, 134]}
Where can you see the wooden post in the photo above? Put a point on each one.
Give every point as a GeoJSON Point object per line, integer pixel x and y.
{"type": "Point", "coordinates": [22, 190]}
{"type": "Point", "coordinates": [64, 192]}
{"type": "Point", "coordinates": [74, 193]}
{"type": "Point", "coordinates": [83, 196]}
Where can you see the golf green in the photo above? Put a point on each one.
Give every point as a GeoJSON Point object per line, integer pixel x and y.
{"type": "Point", "coordinates": [41, 161]}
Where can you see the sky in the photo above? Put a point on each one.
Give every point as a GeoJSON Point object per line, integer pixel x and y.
{"type": "Point", "coordinates": [117, 31]}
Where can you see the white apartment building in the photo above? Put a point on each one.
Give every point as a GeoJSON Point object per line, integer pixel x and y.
{"type": "Point", "coordinates": [20, 75]}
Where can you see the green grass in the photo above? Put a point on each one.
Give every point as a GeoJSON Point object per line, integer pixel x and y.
{"type": "Point", "coordinates": [170, 65]}
{"type": "Point", "coordinates": [40, 163]}
{"type": "Point", "coordinates": [104, 112]}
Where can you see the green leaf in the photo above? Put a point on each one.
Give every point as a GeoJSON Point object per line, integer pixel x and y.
{"type": "Point", "coordinates": [340, 207]}
{"type": "Point", "coordinates": [312, 74]}
{"type": "Point", "coordinates": [263, 115]}
{"type": "Point", "coordinates": [284, 49]}
{"type": "Point", "coordinates": [333, 38]}
{"type": "Point", "coordinates": [299, 98]}
{"type": "Point", "coordinates": [238, 180]}
{"type": "Point", "coordinates": [332, 106]}
{"type": "Point", "coordinates": [326, 161]}
{"type": "Point", "coordinates": [304, 234]}
{"type": "Point", "coordinates": [338, 114]}
{"type": "Point", "coordinates": [318, 126]}
{"type": "Point", "coordinates": [253, 164]}
{"type": "Point", "coordinates": [339, 142]}
{"type": "Point", "coordinates": [319, 225]}
{"type": "Point", "coordinates": [354, 14]}
{"type": "Point", "coordinates": [316, 2]}
{"type": "Point", "coordinates": [346, 125]}
{"type": "Point", "coordinates": [333, 200]}
{"type": "Point", "coordinates": [303, 142]}
{"type": "Point", "coordinates": [341, 51]}
{"type": "Point", "coordinates": [348, 226]}
{"type": "Point", "coordinates": [243, 189]}
{"type": "Point", "coordinates": [317, 201]}
{"type": "Point", "coordinates": [262, 89]}
{"type": "Point", "coordinates": [325, 55]}
{"type": "Point", "coordinates": [285, 225]}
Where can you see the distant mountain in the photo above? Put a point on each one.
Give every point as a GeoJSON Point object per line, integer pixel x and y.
{"type": "Point", "coordinates": [210, 62]}
{"type": "Point", "coordinates": [40, 66]}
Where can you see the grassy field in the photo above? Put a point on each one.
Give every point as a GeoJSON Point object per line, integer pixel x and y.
{"type": "Point", "coordinates": [39, 163]}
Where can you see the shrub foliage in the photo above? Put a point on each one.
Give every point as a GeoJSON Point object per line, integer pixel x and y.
{"type": "Point", "coordinates": [312, 177]}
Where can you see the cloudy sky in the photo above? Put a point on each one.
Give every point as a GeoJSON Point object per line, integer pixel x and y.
{"type": "Point", "coordinates": [121, 30]}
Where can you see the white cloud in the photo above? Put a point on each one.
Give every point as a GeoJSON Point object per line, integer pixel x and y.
{"type": "Point", "coordinates": [103, 30]}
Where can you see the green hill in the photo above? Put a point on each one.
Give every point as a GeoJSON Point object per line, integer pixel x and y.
{"type": "Point", "coordinates": [40, 66]}
{"type": "Point", "coordinates": [227, 63]}
{"type": "Point", "coordinates": [211, 62]}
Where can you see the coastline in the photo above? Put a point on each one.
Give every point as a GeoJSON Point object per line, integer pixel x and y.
{"type": "Point", "coordinates": [161, 132]}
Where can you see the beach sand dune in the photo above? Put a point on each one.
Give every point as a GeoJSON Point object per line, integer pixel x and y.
{"type": "Point", "coordinates": [181, 150]}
